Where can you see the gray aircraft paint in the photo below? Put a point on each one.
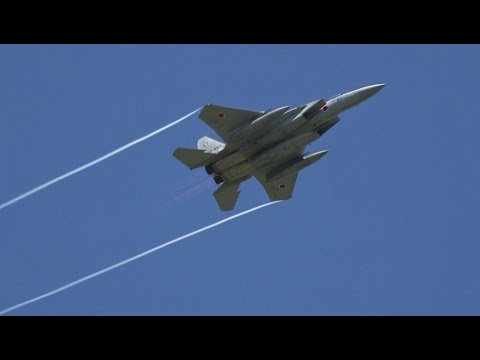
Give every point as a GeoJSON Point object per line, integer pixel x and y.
{"type": "Point", "coordinates": [269, 145]}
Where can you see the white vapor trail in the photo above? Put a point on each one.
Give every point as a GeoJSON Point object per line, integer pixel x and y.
{"type": "Point", "coordinates": [133, 258]}
{"type": "Point", "coordinates": [94, 162]}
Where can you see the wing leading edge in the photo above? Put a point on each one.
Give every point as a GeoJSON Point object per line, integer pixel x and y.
{"type": "Point", "coordinates": [225, 120]}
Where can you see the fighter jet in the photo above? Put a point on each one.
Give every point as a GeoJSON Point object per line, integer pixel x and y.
{"type": "Point", "coordinates": [269, 145]}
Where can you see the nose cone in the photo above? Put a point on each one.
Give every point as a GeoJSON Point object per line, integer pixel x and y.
{"type": "Point", "coordinates": [369, 91]}
{"type": "Point", "coordinates": [355, 97]}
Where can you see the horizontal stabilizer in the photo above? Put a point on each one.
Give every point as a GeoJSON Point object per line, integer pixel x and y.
{"type": "Point", "coordinates": [192, 158]}
{"type": "Point", "coordinates": [227, 195]}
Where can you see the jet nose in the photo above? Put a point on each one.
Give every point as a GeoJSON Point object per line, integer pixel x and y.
{"type": "Point", "coordinates": [357, 96]}
{"type": "Point", "coordinates": [371, 90]}
{"type": "Point", "coordinates": [378, 87]}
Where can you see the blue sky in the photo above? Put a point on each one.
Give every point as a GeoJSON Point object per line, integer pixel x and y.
{"type": "Point", "coordinates": [386, 223]}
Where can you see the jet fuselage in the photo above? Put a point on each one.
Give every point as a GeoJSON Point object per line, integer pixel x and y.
{"type": "Point", "coordinates": [269, 145]}
{"type": "Point", "coordinates": [253, 150]}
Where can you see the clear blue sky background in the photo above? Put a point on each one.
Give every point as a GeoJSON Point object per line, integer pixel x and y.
{"type": "Point", "coordinates": [386, 223]}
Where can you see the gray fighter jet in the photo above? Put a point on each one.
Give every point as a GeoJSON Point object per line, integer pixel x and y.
{"type": "Point", "coordinates": [269, 145]}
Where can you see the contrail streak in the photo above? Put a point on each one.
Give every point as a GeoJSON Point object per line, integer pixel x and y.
{"type": "Point", "coordinates": [94, 162]}
{"type": "Point", "coordinates": [133, 258]}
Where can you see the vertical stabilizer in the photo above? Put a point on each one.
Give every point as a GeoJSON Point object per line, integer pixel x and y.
{"type": "Point", "coordinates": [210, 146]}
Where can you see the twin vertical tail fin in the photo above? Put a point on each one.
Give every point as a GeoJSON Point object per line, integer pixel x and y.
{"type": "Point", "coordinates": [210, 145]}
{"type": "Point", "coordinates": [193, 158]}
{"type": "Point", "coordinates": [227, 194]}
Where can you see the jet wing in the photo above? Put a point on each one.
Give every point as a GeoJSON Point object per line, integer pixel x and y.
{"type": "Point", "coordinates": [225, 120]}
{"type": "Point", "coordinates": [281, 189]}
